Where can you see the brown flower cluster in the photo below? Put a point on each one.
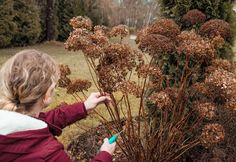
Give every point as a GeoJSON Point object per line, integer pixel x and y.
{"type": "Point", "coordinates": [117, 61]}
{"type": "Point", "coordinates": [220, 64]}
{"type": "Point", "coordinates": [194, 17]}
{"type": "Point", "coordinates": [215, 27]}
{"type": "Point", "coordinates": [81, 22]}
{"type": "Point", "coordinates": [129, 87]}
{"type": "Point", "coordinates": [206, 110]}
{"type": "Point", "coordinates": [162, 100]}
{"type": "Point", "coordinates": [190, 43]}
{"type": "Point", "coordinates": [149, 70]}
{"type": "Point", "coordinates": [166, 27]}
{"type": "Point", "coordinates": [156, 45]}
{"type": "Point", "coordinates": [120, 30]}
{"type": "Point", "coordinates": [78, 40]}
{"type": "Point", "coordinates": [93, 51]}
{"type": "Point", "coordinates": [78, 85]}
{"type": "Point", "coordinates": [231, 104]}
{"type": "Point", "coordinates": [212, 134]}
{"type": "Point", "coordinates": [99, 39]}
{"type": "Point", "coordinates": [218, 42]}
{"type": "Point", "coordinates": [64, 70]}
{"type": "Point", "coordinates": [223, 80]}
{"type": "Point", "coordinates": [198, 88]}
{"type": "Point", "coordinates": [101, 29]}
{"type": "Point", "coordinates": [142, 34]}
{"type": "Point", "coordinates": [64, 81]}
{"type": "Point", "coordinates": [108, 79]}
{"type": "Point", "coordinates": [119, 56]}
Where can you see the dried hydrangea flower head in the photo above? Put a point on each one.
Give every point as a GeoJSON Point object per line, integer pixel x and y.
{"type": "Point", "coordinates": [156, 45]}
{"type": "Point", "coordinates": [93, 51]}
{"type": "Point", "coordinates": [101, 29]}
{"type": "Point", "coordinates": [206, 110]}
{"type": "Point", "coordinates": [64, 70]}
{"type": "Point", "coordinates": [194, 17]}
{"type": "Point", "coordinates": [231, 104]}
{"type": "Point", "coordinates": [162, 100]}
{"type": "Point", "coordinates": [192, 44]}
{"type": "Point", "coordinates": [218, 42]}
{"type": "Point", "coordinates": [165, 27]}
{"type": "Point", "coordinates": [198, 88]}
{"type": "Point", "coordinates": [129, 87]}
{"type": "Point", "coordinates": [99, 39]}
{"type": "Point", "coordinates": [78, 40]}
{"type": "Point", "coordinates": [118, 56]}
{"type": "Point", "coordinates": [107, 79]}
{"type": "Point", "coordinates": [81, 22]}
{"type": "Point", "coordinates": [219, 64]}
{"type": "Point", "coordinates": [78, 85]}
{"type": "Point", "coordinates": [142, 34]}
{"type": "Point", "coordinates": [120, 30]}
{"type": "Point", "coordinates": [64, 82]}
{"type": "Point", "coordinates": [212, 134]}
{"type": "Point", "coordinates": [149, 70]}
{"type": "Point", "coordinates": [215, 27]}
{"type": "Point", "coordinates": [221, 79]}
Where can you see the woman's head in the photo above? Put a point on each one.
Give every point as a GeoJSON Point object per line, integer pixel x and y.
{"type": "Point", "coordinates": [25, 78]}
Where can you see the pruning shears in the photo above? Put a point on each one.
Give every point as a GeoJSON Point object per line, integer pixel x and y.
{"type": "Point", "coordinates": [114, 137]}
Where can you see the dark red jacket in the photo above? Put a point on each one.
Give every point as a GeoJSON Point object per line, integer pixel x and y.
{"type": "Point", "coordinates": [40, 145]}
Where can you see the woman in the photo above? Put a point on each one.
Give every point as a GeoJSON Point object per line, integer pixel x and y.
{"type": "Point", "coordinates": [27, 84]}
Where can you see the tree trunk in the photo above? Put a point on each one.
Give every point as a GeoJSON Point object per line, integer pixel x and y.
{"type": "Point", "coordinates": [50, 32]}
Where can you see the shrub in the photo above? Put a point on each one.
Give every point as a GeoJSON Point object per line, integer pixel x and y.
{"type": "Point", "coordinates": [7, 26]}
{"type": "Point", "coordinates": [184, 96]}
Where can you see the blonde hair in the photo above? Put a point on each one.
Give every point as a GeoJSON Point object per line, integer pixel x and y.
{"type": "Point", "coordinates": [25, 78]}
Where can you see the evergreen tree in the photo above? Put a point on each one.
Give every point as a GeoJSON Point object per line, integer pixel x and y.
{"type": "Point", "coordinates": [67, 9]}
{"type": "Point", "coordinates": [27, 21]}
{"type": "Point", "coordinates": [7, 26]}
{"type": "Point", "coordinates": [221, 9]}
{"type": "Point", "coordinates": [175, 9]}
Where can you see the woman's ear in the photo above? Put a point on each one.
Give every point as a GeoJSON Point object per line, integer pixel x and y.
{"type": "Point", "coordinates": [49, 95]}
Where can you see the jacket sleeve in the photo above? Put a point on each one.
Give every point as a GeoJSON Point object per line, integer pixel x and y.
{"type": "Point", "coordinates": [64, 115]}
{"type": "Point", "coordinates": [102, 156]}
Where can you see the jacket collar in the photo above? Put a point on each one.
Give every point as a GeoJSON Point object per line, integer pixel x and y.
{"type": "Point", "coordinates": [13, 122]}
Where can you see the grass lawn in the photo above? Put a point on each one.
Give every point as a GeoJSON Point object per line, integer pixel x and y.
{"type": "Point", "coordinates": [79, 69]}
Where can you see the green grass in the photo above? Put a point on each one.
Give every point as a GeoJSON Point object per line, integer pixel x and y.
{"type": "Point", "coordinates": [79, 69]}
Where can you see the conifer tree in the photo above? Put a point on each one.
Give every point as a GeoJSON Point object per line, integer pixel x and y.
{"type": "Point", "coordinates": [7, 26]}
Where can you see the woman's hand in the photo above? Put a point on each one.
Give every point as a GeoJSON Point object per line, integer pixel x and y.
{"type": "Point", "coordinates": [106, 146]}
{"type": "Point", "coordinates": [95, 99]}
